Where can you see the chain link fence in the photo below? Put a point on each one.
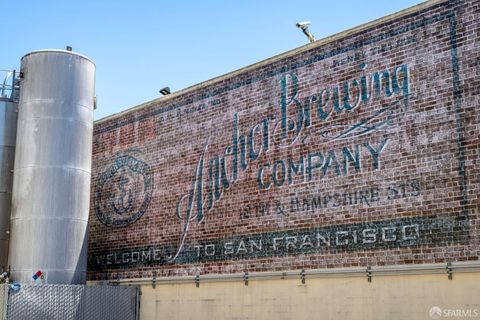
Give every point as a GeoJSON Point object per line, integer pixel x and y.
{"type": "Point", "coordinates": [3, 301]}
{"type": "Point", "coordinates": [69, 302]}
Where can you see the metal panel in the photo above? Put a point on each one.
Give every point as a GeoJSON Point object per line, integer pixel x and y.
{"type": "Point", "coordinates": [73, 302]}
{"type": "Point", "coordinates": [110, 303]}
{"type": "Point", "coordinates": [8, 130]}
{"type": "Point", "coordinates": [51, 189]}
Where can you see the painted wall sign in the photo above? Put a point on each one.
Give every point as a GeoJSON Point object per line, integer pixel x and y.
{"type": "Point", "coordinates": [329, 157]}
{"type": "Point", "coordinates": [375, 235]}
{"type": "Point", "coordinates": [123, 192]}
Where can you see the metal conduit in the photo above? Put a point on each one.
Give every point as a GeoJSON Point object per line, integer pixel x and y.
{"type": "Point", "coordinates": [447, 268]}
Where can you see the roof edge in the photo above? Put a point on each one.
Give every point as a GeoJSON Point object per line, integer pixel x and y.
{"type": "Point", "coordinates": [72, 53]}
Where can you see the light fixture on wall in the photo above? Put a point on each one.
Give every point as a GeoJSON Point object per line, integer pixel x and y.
{"type": "Point", "coordinates": [165, 91]}
{"type": "Point", "coordinates": [304, 26]}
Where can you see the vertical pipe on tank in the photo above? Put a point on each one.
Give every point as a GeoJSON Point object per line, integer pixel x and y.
{"type": "Point", "coordinates": [51, 187]}
{"type": "Point", "coordinates": [8, 130]}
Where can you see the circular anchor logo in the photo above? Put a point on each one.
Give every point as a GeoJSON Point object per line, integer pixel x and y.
{"type": "Point", "coordinates": [123, 192]}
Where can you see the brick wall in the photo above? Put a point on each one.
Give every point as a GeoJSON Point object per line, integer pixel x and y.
{"type": "Point", "coordinates": [357, 150]}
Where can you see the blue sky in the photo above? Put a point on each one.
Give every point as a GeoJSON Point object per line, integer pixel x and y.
{"type": "Point", "coordinates": [141, 46]}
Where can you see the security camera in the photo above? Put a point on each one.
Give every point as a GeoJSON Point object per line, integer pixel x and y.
{"type": "Point", "coordinates": [303, 25]}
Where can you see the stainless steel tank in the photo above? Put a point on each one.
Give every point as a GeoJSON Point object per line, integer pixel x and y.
{"type": "Point", "coordinates": [51, 187]}
{"type": "Point", "coordinates": [8, 130]}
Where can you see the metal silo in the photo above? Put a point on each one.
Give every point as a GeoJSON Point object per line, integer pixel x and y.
{"type": "Point", "coordinates": [51, 187]}
{"type": "Point", "coordinates": [8, 130]}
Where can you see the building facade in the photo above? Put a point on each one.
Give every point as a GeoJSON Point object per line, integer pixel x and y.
{"type": "Point", "coordinates": [318, 169]}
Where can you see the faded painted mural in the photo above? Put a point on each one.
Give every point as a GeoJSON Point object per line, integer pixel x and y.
{"type": "Point", "coordinates": [328, 157]}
